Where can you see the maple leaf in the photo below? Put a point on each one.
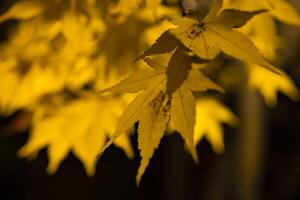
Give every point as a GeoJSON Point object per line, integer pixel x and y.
{"type": "Point", "coordinates": [155, 106]}
{"type": "Point", "coordinates": [152, 125]}
{"type": "Point", "coordinates": [210, 116]}
{"type": "Point", "coordinates": [283, 11]}
{"type": "Point", "coordinates": [18, 92]}
{"type": "Point", "coordinates": [53, 127]}
{"type": "Point", "coordinates": [214, 34]}
{"type": "Point", "coordinates": [268, 84]}
{"type": "Point", "coordinates": [263, 32]}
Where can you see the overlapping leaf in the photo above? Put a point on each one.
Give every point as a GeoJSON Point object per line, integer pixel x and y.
{"type": "Point", "coordinates": [214, 34]}
{"type": "Point", "coordinates": [155, 105]}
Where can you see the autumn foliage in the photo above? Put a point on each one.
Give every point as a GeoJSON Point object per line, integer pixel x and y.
{"type": "Point", "coordinates": [89, 71]}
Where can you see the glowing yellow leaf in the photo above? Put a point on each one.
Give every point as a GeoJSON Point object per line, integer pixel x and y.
{"type": "Point", "coordinates": [210, 115]}
{"type": "Point", "coordinates": [146, 104]}
{"type": "Point", "coordinates": [283, 11]}
{"type": "Point", "coordinates": [208, 38]}
{"type": "Point", "coordinates": [81, 127]}
{"type": "Point", "coordinates": [19, 90]}
{"type": "Point", "coordinates": [262, 31]}
{"type": "Point", "coordinates": [183, 116]}
{"type": "Point", "coordinates": [134, 110]}
{"type": "Point", "coordinates": [239, 46]}
{"type": "Point", "coordinates": [151, 129]}
{"type": "Point", "coordinates": [268, 84]}
{"type": "Point", "coordinates": [153, 106]}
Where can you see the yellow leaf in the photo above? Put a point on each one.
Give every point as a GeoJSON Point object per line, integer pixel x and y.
{"type": "Point", "coordinates": [210, 115]}
{"type": "Point", "coordinates": [239, 46]}
{"type": "Point", "coordinates": [18, 91]}
{"type": "Point", "coordinates": [283, 11]}
{"type": "Point", "coordinates": [151, 129]}
{"type": "Point", "coordinates": [269, 84]}
{"type": "Point", "coordinates": [183, 117]}
{"type": "Point", "coordinates": [263, 32]}
{"type": "Point", "coordinates": [206, 39]}
{"type": "Point", "coordinates": [152, 106]}
{"type": "Point", "coordinates": [134, 110]}
{"type": "Point", "coordinates": [148, 108]}
{"type": "Point", "coordinates": [81, 127]}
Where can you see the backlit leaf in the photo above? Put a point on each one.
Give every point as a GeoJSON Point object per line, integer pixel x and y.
{"type": "Point", "coordinates": [183, 116]}
{"type": "Point", "coordinates": [210, 116]}
{"type": "Point", "coordinates": [151, 129]}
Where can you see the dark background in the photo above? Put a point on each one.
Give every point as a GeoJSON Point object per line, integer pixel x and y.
{"type": "Point", "coordinates": [171, 173]}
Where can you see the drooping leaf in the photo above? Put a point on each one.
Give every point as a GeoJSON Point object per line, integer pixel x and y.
{"type": "Point", "coordinates": [209, 118]}
{"type": "Point", "coordinates": [154, 106]}
{"type": "Point", "coordinates": [134, 110]}
{"type": "Point", "coordinates": [269, 84]}
{"type": "Point", "coordinates": [183, 116]}
{"type": "Point", "coordinates": [81, 127]}
{"type": "Point", "coordinates": [151, 129]}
